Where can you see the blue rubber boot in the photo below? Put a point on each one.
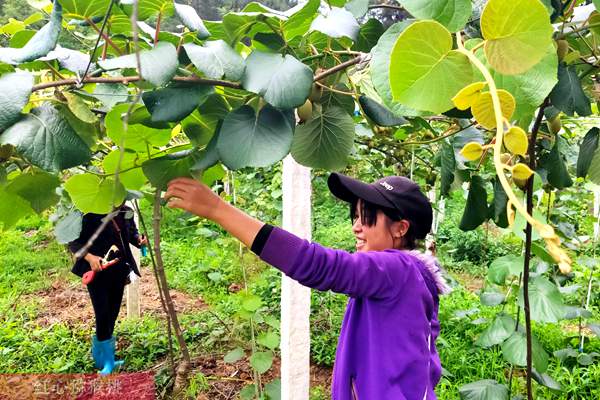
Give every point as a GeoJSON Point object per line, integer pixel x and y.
{"type": "Point", "coordinates": [97, 352]}
{"type": "Point", "coordinates": [108, 356]}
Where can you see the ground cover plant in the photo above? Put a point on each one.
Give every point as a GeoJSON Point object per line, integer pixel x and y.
{"type": "Point", "coordinates": [492, 107]}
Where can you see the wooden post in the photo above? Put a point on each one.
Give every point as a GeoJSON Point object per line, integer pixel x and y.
{"type": "Point", "coordinates": [133, 289]}
{"type": "Point", "coordinates": [295, 298]}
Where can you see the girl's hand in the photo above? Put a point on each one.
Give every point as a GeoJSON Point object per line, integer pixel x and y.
{"type": "Point", "coordinates": [94, 261]}
{"type": "Point", "coordinates": [193, 196]}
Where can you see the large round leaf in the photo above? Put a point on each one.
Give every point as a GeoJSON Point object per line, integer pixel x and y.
{"type": "Point", "coordinates": [501, 328]}
{"type": "Point", "coordinates": [131, 177]}
{"type": "Point", "coordinates": [426, 73]}
{"type": "Point", "coordinates": [250, 140]}
{"type": "Point", "coordinates": [90, 194]}
{"type": "Point", "coordinates": [336, 23]}
{"type": "Point", "coordinates": [47, 140]}
{"type": "Point", "coordinates": [82, 9]}
{"type": "Point", "coordinates": [12, 208]}
{"type": "Point", "coordinates": [453, 14]}
{"type": "Point", "coordinates": [15, 89]}
{"type": "Point", "coordinates": [504, 266]}
{"type": "Point", "coordinates": [134, 136]}
{"type": "Point", "coordinates": [40, 44]}
{"type": "Point", "coordinates": [158, 64]}
{"type": "Point", "coordinates": [261, 361]}
{"type": "Point", "coordinates": [486, 389]}
{"type": "Point", "coordinates": [325, 141]}
{"type": "Point", "coordinates": [514, 350]}
{"type": "Point", "coordinates": [173, 104]}
{"type": "Point", "coordinates": [283, 81]}
{"type": "Point", "coordinates": [531, 87]}
{"type": "Point", "coordinates": [191, 20]}
{"type": "Point", "coordinates": [380, 69]}
{"type": "Point", "coordinates": [201, 125]}
{"type": "Point", "coordinates": [545, 300]}
{"type": "Point", "coordinates": [216, 59]}
{"type": "Point", "coordinates": [38, 188]}
{"type": "Point", "coordinates": [161, 170]}
{"type": "Point", "coordinates": [517, 34]}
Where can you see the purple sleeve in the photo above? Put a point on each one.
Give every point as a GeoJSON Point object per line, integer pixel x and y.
{"type": "Point", "coordinates": [377, 274]}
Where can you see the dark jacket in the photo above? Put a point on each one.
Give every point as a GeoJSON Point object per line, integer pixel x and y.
{"type": "Point", "coordinates": [125, 228]}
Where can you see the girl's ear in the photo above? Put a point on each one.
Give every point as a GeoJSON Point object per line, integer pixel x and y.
{"type": "Point", "coordinates": [399, 228]}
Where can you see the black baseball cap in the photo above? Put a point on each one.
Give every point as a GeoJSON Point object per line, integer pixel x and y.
{"type": "Point", "coordinates": [396, 192]}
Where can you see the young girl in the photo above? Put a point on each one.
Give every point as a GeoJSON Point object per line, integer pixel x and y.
{"type": "Point", "coordinates": [386, 348]}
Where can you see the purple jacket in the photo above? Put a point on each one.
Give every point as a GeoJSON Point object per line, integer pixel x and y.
{"type": "Point", "coordinates": [386, 349]}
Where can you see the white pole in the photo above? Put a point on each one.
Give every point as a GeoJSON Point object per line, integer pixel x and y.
{"type": "Point", "coordinates": [295, 298]}
{"type": "Point", "coordinates": [133, 289]}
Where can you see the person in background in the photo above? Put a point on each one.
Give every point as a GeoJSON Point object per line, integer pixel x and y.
{"type": "Point", "coordinates": [107, 287]}
{"type": "Point", "coordinates": [386, 348]}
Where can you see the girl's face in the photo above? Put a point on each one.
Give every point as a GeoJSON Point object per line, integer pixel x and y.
{"type": "Point", "coordinates": [382, 235]}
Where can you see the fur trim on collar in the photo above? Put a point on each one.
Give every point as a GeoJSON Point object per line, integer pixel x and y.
{"type": "Point", "coordinates": [433, 266]}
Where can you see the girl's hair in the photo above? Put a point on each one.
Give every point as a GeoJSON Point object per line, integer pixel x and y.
{"type": "Point", "coordinates": [368, 213]}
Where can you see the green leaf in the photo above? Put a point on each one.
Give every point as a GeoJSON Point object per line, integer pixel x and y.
{"type": "Point", "coordinates": [40, 44]}
{"type": "Point", "coordinates": [15, 89]}
{"type": "Point", "coordinates": [248, 392]}
{"type": "Point", "coordinates": [476, 208]}
{"type": "Point", "coordinates": [486, 389]}
{"type": "Point", "coordinates": [251, 303]}
{"type": "Point", "coordinates": [417, 72]}
{"type": "Point", "coordinates": [517, 34]}
{"type": "Point", "coordinates": [453, 14]}
{"type": "Point", "coordinates": [47, 140]}
{"type": "Point", "coordinates": [12, 208]}
{"type": "Point", "coordinates": [325, 141]}
{"type": "Point", "coordinates": [90, 194]}
{"type": "Point", "coordinates": [207, 157]}
{"type": "Point", "coordinates": [201, 125]}
{"type": "Point", "coordinates": [284, 82]}
{"type": "Point", "coordinates": [448, 164]}
{"type": "Point", "coordinates": [545, 300]}
{"type": "Point", "coordinates": [82, 9]}
{"type": "Point", "coordinates": [587, 149]}
{"type": "Point", "coordinates": [173, 104]}
{"type": "Point", "coordinates": [330, 99]}
{"type": "Point", "coordinates": [158, 64]}
{"type": "Point", "coordinates": [378, 113]}
{"type": "Point", "coordinates": [79, 109]}
{"type": "Point", "coordinates": [501, 328]}
{"type": "Point", "coordinates": [269, 339]}
{"type": "Point", "coordinates": [212, 174]}
{"type": "Point", "coordinates": [491, 299]}
{"type": "Point", "coordinates": [554, 164]}
{"type": "Point", "coordinates": [148, 8]}
{"type": "Point", "coordinates": [594, 171]}
{"type": "Point", "coordinates": [273, 389]}
{"type": "Point", "coordinates": [161, 170]}
{"type": "Point", "coordinates": [504, 266]}
{"type": "Point", "coordinates": [300, 18]}
{"type": "Point", "coordinates": [261, 361]}
{"type": "Point", "coordinates": [136, 136]}
{"type": "Point", "coordinates": [132, 178]}
{"type": "Point", "coordinates": [250, 140]}
{"type": "Point", "coordinates": [542, 253]}
{"type": "Point", "coordinates": [234, 355]}
{"type": "Point", "coordinates": [380, 68]}
{"type": "Point", "coordinates": [529, 88]}
{"type": "Point", "coordinates": [68, 228]}
{"type": "Point", "coordinates": [567, 95]}
{"type": "Point", "coordinates": [498, 205]}
{"type": "Point", "coordinates": [514, 350]}
{"type": "Point", "coordinates": [191, 20]}
{"type": "Point", "coordinates": [38, 188]}
{"type": "Point", "coordinates": [358, 8]}
{"type": "Point", "coordinates": [336, 23]}
{"type": "Point", "coordinates": [110, 94]}
{"type": "Point", "coordinates": [238, 24]}
{"type": "Point", "coordinates": [368, 35]}
{"type": "Point", "coordinates": [216, 60]}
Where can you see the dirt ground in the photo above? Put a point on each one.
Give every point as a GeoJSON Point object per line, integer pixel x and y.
{"type": "Point", "coordinates": [69, 302]}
